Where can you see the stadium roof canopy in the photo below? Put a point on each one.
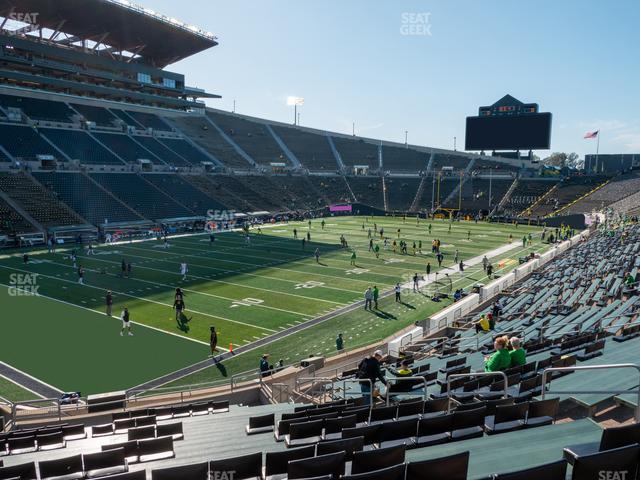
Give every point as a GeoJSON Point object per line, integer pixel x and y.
{"type": "Point", "coordinates": [114, 25]}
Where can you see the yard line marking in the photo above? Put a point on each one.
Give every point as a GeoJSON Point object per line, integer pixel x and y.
{"type": "Point", "coordinates": [298, 262]}
{"type": "Point", "coordinates": [185, 289]}
{"type": "Point", "coordinates": [254, 265]}
{"type": "Point", "coordinates": [228, 283]}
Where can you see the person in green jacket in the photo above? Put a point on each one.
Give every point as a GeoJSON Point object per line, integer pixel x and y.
{"type": "Point", "coordinates": [376, 294]}
{"type": "Point", "coordinates": [500, 360]}
{"type": "Point", "coordinates": [517, 354]}
{"type": "Point", "coordinates": [339, 342]}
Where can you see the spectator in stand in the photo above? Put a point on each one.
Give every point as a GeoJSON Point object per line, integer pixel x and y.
{"type": "Point", "coordinates": [517, 354]}
{"type": "Point", "coordinates": [500, 360]}
{"type": "Point", "coordinates": [496, 310]}
{"type": "Point", "coordinates": [265, 368]}
{"type": "Point", "coordinates": [404, 370]}
{"type": "Point", "coordinates": [491, 320]}
{"type": "Point", "coordinates": [482, 325]}
{"type": "Point", "coordinates": [369, 370]}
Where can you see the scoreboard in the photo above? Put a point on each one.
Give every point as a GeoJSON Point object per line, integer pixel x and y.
{"type": "Point", "coordinates": [509, 125]}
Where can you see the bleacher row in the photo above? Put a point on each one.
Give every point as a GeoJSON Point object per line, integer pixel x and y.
{"type": "Point", "coordinates": [59, 198]}
{"type": "Point", "coordinates": [50, 127]}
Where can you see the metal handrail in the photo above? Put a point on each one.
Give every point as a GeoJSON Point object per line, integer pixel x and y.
{"type": "Point", "coordinates": [595, 392]}
{"type": "Point", "coordinates": [476, 374]}
{"type": "Point", "coordinates": [315, 380]}
{"type": "Point", "coordinates": [404, 379]}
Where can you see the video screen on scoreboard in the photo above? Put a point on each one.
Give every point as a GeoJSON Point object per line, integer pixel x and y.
{"type": "Point", "coordinates": [518, 132]}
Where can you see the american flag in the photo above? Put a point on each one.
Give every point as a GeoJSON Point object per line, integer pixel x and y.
{"type": "Point", "coordinates": [591, 134]}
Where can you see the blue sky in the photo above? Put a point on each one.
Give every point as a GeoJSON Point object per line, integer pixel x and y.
{"type": "Point", "coordinates": [351, 62]}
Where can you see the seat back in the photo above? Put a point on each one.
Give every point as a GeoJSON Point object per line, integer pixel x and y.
{"type": "Point", "coordinates": [108, 459]}
{"type": "Point", "coordinates": [141, 433]}
{"type": "Point", "coordinates": [155, 447]}
{"type": "Point", "coordinates": [137, 475]}
{"type": "Point", "coordinates": [618, 463]}
{"type": "Point", "coordinates": [196, 471]}
{"type": "Point", "coordinates": [335, 425]}
{"type": "Point", "coordinates": [437, 405]}
{"type": "Point", "coordinates": [146, 421]}
{"type": "Point", "coordinates": [377, 459]}
{"type": "Point", "coordinates": [288, 416]}
{"type": "Point", "coordinates": [49, 439]}
{"type": "Point", "coordinates": [528, 384]}
{"type": "Point", "coordinates": [305, 430]}
{"type": "Point", "coordinates": [369, 433]}
{"type": "Point", "coordinates": [60, 467]}
{"type": "Point", "coordinates": [493, 404]}
{"type": "Point", "coordinates": [509, 413]}
{"type": "Point", "coordinates": [362, 413]}
{"type": "Point", "coordinates": [130, 448]}
{"type": "Point", "coordinates": [453, 467]}
{"type": "Point", "coordinates": [384, 413]}
{"type": "Point", "coordinates": [617, 437]}
{"type": "Point", "coordinates": [262, 421]}
{"type": "Point", "coordinates": [391, 473]}
{"type": "Point", "coordinates": [244, 467]}
{"type": "Point", "coordinates": [99, 430]}
{"type": "Point", "coordinates": [24, 471]}
{"type": "Point", "coordinates": [398, 430]}
{"type": "Point", "coordinates": [330, 464]}
{"type": "Point", "coordinates": [277, 462]}
{"type": "Point", "coordinates": [170, 429]}
{"type": "Point", "coordinates": [410, 408]}
{"type": "Point", "coordinates": [220, 406]}
{"type": "Point", "coordinates": [468, 418]}
{"type": "Point", "coordinates": [347, 445]}
{"type": "Point", "coordinates": [546, 408]}
{"type": "Point", "coordinates": [21, 443]}
{"type": "Point", "coordinates": [550, 471]}
{"type": "Point", "coordinates": [435, 425]}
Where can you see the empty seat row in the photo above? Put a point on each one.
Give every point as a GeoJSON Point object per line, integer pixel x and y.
{"type": "Point", "coordinates": [38, 439]}
{"type": "Point", "coordinates": [90, 465]}
{"type": "Point", "coordinates": [144, 450]}
{"type": "Point", "coordinates": [325, 462]}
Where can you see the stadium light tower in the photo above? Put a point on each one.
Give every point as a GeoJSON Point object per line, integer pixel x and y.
{"type": "Point", "coordinates": [295, 101]}
{"type": "Point", "coordinates": [406, 138]}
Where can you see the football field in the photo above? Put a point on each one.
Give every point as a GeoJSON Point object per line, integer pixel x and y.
{"type": "Point", "coordinates": [247, 290]}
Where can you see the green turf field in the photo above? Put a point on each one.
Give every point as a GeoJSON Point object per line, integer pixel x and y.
{"type": "Point", "coordinates": [248, 292]}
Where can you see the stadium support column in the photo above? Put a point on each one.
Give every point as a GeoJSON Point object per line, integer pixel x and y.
{"type": "Point", "coordinates": [433, 191]}
{"type": "Point", "coordinates": [490, 185]}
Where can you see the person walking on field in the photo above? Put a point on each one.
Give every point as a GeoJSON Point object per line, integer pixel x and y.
{"type": "Point", "coordinates": [353, 258]}
{"type": "Point", "coordinates": [126, 322]}
{"type": "Point", "coordinates": [339, 343]}
{"type": "Point", "coordinates": [398, 291]}
{"type": "Point", "coordinates": [109, 302]}
{"type": "Point", "coordinates": [376, 294]}
{"type": "Point", "coordinates": [368, 299]}
{"type": "Point", "coordinates": [213, 340]}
